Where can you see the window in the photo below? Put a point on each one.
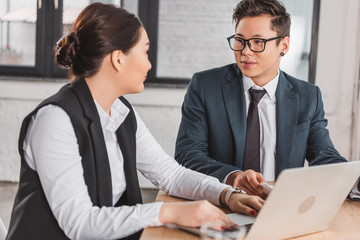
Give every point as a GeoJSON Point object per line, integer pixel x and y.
{"type": "Point", "coordinates": [18, 17]}
{"type": "Point", "coordinates": [185, 36]}
{"type": "Point", "coordinates": [301, 59]}
{"type": "Point", "coordinates": [29, 30]}
{"type": "Point", "coordinates": [189, 36]}
{"type": "Point", "coordinates": [18, 37]}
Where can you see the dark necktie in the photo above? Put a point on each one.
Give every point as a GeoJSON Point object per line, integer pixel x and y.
{"type": "Point", "coordinates": [252, 149]}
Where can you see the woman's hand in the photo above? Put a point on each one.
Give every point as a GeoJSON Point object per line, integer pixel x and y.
{"type": "Point", "coordinates": [249, 181]}
{"type": "Point", "coordinates": [194, 214]}
{"type": "Point", "coordinates": [247, 204]}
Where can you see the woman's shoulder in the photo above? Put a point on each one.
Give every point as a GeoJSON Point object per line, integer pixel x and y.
{"type": "Point", "coordinates": [50, 116]}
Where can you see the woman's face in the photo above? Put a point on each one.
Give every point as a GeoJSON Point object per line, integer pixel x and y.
{"type": "Point", "coordinates": [136, 65]}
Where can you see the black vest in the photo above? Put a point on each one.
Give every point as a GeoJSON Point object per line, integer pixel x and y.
{"type": "Point", "coordinates": [31, 216]}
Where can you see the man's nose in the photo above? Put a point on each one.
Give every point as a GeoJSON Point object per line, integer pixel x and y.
{"type": "Point", "coordinates": [246, 49]}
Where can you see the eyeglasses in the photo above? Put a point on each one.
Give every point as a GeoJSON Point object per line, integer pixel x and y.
{"type": "Point", "coordinates": [255, 44]}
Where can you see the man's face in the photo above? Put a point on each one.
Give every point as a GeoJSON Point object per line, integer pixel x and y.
{"type": "Point", "coordinates": [263, 66]}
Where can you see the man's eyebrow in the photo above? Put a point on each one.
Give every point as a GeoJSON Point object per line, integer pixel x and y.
{"type": "Point", "coordinates": [257, 35]}
{"type": "Point", "coordinates": [253, 36]}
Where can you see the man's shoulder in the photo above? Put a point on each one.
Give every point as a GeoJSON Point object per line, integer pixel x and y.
{"type": "Point", "coordinates": [306, 92]}
{"type": "Point", "coordinates": [218, 71]}
{"type": "Point", "coordinates": [298, 84]}
{"type": "Point", "coordinates": [215, 76]}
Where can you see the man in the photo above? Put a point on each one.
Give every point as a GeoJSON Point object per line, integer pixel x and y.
{"type": "Point", "coordinates": [246, 122]}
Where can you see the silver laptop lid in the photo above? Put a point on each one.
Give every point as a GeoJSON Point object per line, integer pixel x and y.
{"type": "Point", "coordinates": [304, 200]}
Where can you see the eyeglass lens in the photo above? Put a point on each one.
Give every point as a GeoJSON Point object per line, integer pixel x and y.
{"type": "Point", "coordinates": [238, 44]}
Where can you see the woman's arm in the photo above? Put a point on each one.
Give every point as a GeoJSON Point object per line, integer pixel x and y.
{"type": "Point", "coordinates": [51, 149]}
{"type": "Point", "coordinates": [165, 173]}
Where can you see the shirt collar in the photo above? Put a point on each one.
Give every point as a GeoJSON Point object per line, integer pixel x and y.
{"type": "Point", "coordinates": [118, 114]}
{"type": "Point", "coordinates": [270, 87]}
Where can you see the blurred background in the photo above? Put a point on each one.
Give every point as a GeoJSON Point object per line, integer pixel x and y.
{"type": "Point", "coordinates": [185, 37]}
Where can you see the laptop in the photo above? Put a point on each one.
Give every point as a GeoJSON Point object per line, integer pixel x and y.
{"type": "Point", "coordinates": [303, 201]}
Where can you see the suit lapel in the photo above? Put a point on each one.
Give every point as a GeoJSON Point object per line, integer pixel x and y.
{"type": "Point", "coordinates": [287, 104]}
{"type": "Point", "coordinates": [233, 93]}
{"type": "Point", "coordinates": [103, 181]}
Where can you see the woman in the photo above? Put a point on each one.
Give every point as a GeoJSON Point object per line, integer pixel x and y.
{"type": "Point", "coordinates": [81, 147]}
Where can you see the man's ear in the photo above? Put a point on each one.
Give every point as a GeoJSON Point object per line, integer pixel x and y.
{"type": "Point", "coordinates": [285, 44]}
{"type": "Point", "coordinates": [118, 59]}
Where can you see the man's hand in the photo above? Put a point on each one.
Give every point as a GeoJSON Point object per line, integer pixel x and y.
{"type": "Point", "coordinates": [249, 181]}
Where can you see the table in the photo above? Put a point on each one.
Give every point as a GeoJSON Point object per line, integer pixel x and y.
{"type": "Point", "coordinates": [345, 225]}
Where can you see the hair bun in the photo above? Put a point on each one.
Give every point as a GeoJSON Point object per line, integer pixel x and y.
{"type": "Point", "coordinates": [66, 50]}
{"type": "Point", "coordinates": [97, 31]}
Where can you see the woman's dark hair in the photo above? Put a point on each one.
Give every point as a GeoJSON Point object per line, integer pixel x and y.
{"type": "Point", "coordinates": [281, 20]}
{"type": "Point", "coordinates": [98, 30]}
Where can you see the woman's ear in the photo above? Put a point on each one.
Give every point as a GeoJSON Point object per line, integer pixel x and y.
{"type": "Point", "coordinates": [118, 59]}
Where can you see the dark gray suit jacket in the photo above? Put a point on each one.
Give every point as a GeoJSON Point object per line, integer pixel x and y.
{"type": "Point", "coordinates": [212, 132]}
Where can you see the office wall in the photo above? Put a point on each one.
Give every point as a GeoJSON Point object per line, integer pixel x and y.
{"type": "Point", "coordinates": [337, 75]}
{"type": "Point", "coordinates": [337, 72]}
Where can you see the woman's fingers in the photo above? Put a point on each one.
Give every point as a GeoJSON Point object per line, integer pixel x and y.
{"type": "Point", "coordinates": [194, 214]}
{"type": "Point", "coordinates": [197, 213]}
{"type": "Point", "coordinates": [254, 202]}
{"type": "Point", "coordinates": [246, 204]}
{"type": "Point", "coordinates": [212, 214]}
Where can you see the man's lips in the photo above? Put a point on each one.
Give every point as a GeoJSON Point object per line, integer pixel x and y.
{"type": "Point", "coordinates": [248, 63]}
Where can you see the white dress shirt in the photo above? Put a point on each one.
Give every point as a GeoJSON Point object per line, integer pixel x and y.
{"type": "Point", "coordinates": [267, 121]}
{"type": "Point", "coordinates": [51, 149]}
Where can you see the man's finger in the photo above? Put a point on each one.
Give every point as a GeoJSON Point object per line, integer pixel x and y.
{"type": "Point", "coordinates": [254, 185]}
{"type": "Point", "coordinates": [260, 177]}
{"type": "Point", "coordinates": [247, 190]}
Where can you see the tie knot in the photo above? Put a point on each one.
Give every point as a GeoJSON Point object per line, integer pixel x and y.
{"type": "Point", "coordinates": [256, 95]}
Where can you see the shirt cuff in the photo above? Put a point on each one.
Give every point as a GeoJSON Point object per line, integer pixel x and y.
{"type": "Point", "coordinates": [225, 179]}
{"type": "Point", "coordinates": [149, 213]}
{"type": "Point", "coordinates": [214, 196]}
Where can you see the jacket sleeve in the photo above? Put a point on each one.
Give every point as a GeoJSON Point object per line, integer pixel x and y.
{"type": "Point", "coordinates": [320, 149]}
{"type": "Point", "coordinates": [192, 144]}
